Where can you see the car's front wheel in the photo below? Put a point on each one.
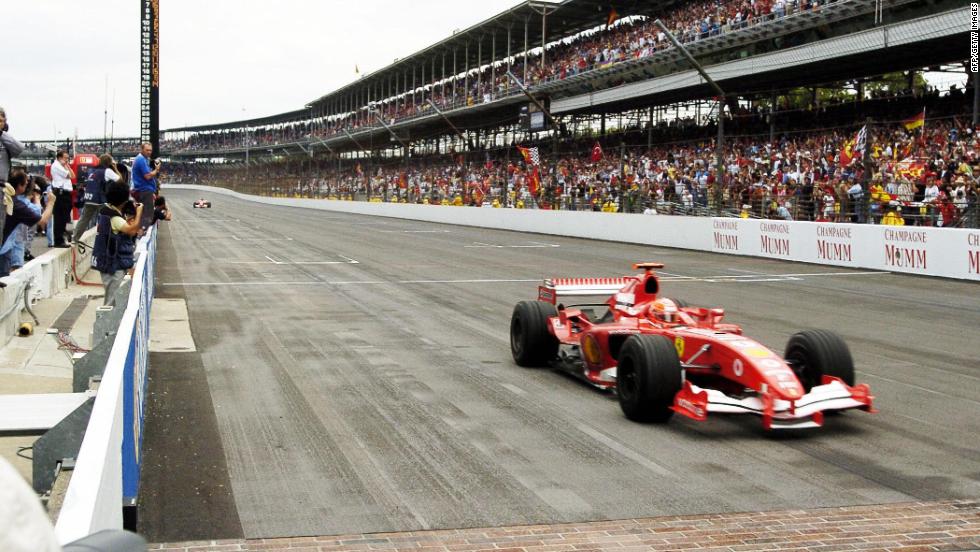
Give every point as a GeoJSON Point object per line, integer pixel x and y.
{"type": "Point", "coordinates": [648, 376]}
{"type": "Point", "coordinates": [815, 353]}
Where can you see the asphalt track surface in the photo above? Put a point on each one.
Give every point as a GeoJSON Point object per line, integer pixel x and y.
{"type": "Point", "coordinates": [359, 372]}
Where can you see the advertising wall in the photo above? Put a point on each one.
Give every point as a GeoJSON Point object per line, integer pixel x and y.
{"type": "Point", "coordinates": [926, 251]}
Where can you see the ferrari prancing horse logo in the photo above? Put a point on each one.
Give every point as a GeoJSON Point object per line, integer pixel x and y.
{"type": "Point", "coordinates": [679, 345]}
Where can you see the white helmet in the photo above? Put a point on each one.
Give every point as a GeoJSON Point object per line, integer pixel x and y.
{"type": "Point", "coordinates": [664, 310]}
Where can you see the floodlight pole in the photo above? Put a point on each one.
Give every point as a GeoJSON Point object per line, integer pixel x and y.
{"type": "Point", "coordinates": [720, 146]}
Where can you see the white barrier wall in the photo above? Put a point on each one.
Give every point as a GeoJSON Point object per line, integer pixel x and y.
{"type": "Point", "coordinates": [47, 274]}
{"type": "Point", "coordinates": [110, 448]}
{"type": "Point", "coordinates": [927, 251]}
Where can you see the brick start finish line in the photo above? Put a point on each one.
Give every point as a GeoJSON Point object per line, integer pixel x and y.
{"type": "Point", "coordinates": [907, 527]}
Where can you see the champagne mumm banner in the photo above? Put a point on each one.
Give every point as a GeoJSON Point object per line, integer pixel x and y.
{"type": "Point", "coordinates": [150, 73]}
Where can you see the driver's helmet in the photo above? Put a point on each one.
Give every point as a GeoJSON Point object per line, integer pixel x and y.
{"type": "Point", "coordinates": [664, 310]}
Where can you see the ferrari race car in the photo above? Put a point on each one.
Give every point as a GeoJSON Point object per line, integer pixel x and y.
{"type": "Point", "coordinates": [663, 356]}
{"type": "Point", "coordinates": [202, 204]}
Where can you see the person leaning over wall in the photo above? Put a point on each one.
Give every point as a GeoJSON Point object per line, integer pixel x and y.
{"type": "Point", "coordinates": [113, 252]}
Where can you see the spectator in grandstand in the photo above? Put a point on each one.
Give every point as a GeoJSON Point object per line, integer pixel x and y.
{"type": "Point", "coordinates": [21, 213]}
{"type": "Point", "coordinates": [112, 254]}
{"type": "Point", "coordinates": [96, 182]}
{"type": "Point", "coordinates": [61, 177]}
{"type": "Point", "coordinates": [9, 149]}
{"type": "Point", "coordinates": [145, 181]}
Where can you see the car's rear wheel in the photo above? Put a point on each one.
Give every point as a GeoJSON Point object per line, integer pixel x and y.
{"type": "Point", "coordinates": [814, 354]}
{"type": "Point", "coordinates": [531, 343]}
{"type": "Point", "coordinates": [648, 376]}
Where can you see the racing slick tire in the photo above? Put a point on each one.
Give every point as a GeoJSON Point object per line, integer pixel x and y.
{"type": "Point", "coordinates": [648, 377]}
{"type": "Point", "coordinates": [531, 343]}
{"type": "Point", "coordinates": [815, 353]}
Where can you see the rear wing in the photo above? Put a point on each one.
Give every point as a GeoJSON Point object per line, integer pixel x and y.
{"type": "Point", "coordinates": [568, 287]}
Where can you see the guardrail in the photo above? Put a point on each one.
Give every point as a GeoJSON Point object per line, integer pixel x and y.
{"type": "Point", "coordinates": [922, 250]}
{"type": "Point", "coordinates": [106, 474]}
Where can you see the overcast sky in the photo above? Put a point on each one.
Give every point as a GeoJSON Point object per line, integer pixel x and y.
{"type": "Point", "coordinates": [220, 60]}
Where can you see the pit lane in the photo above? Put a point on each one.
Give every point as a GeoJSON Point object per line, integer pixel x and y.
{"type": "Point", "coordinates": [359, 373]}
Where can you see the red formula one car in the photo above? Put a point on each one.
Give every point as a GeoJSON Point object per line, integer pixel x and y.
{"type": "Point", "coordinates": [663, 356]}
{"type": "Point", "coordinates": [202, 204]}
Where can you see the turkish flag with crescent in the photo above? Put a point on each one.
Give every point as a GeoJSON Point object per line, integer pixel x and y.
{"type": "Point", "coordinates": [596, 153]}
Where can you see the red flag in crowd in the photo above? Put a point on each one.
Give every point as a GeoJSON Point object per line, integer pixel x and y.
{"type": "Point", "coordinates": [910, 168]}
{"type": "Point", "coordinates": [613, 16]}
{"type": "Point", "coordinates": [854, 148]}
{"type": "Point", "coordinates": [403, 181]}
{"type": "Point", "coordinates": [596, 153]}
{"type": "Point", "coordinates": [534, 181]}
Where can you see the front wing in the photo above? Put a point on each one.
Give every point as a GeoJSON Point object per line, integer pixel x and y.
{"type": "Point", "coordinates": [806, 412]}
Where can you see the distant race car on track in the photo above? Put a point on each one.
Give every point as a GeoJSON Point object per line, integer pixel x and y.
{"type": "Point", "coordinates": [202, 204]}
{"type": "Point", "coordinates": [663, 356]}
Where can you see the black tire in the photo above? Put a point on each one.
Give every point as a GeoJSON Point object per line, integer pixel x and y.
{"type": "Point", "coordinates": [815, 353]}
{"type": "Point", "coordinates": [648, 377]}
{"type": "Point", "coordinates": [530, 341]}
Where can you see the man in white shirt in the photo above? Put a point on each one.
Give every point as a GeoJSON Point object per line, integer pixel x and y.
{"type": "Point", "coordinates": [61, 177]}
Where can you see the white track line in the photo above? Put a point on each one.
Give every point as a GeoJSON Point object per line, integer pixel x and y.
{"type": "Point", "coordinates": [415, 231]}
{"type": "Point", "coordinates": [236, 238]}
{"type": "Point", "coordinates": [624, 450]}
{"type": "Point", "coordinates": [764, 277]}
{"type": "Point", "coordinates": [536, 245]}
{"type": "Point", "coordinates": [729, 278]}
{"type": "Point", "coordinates": [270, 260]}
{"type": "Point", "coordinates": [349, 283]}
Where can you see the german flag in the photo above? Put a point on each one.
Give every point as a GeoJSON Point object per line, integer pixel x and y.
{"type": "Point", "coordinates": [915, 122]}
{"type": "Point", "coordinates": [613, 16]}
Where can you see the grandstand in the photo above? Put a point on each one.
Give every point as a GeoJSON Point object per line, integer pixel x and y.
{"type": "Point", "coordinates": [443, 122]}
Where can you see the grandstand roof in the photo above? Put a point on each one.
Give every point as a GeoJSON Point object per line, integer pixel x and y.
{"type": "Point", "coordinates": [298, 115]}
{"type": "Point", "coordinates": [565, 18]}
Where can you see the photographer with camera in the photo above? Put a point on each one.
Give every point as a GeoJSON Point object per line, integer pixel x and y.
{"type": "Point", "coordinates": [9, 149]}
{"type": "Point", "coordinates": [96, 183]}
{"type": "Point", "coordinates": [115, 244]}
{"type": "Point", "coordinates": [23, 210]}
{"type": "Point", "coordinates": [145, 181]}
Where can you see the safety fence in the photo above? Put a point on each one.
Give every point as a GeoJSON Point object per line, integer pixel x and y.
{"type": "Point", "coordinates": [922, 250]}
{"type": "Point", "coordinates": [106, 473]}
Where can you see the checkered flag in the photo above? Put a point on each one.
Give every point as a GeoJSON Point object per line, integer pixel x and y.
{"type": "Point", "coordinates": [531, 156]}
